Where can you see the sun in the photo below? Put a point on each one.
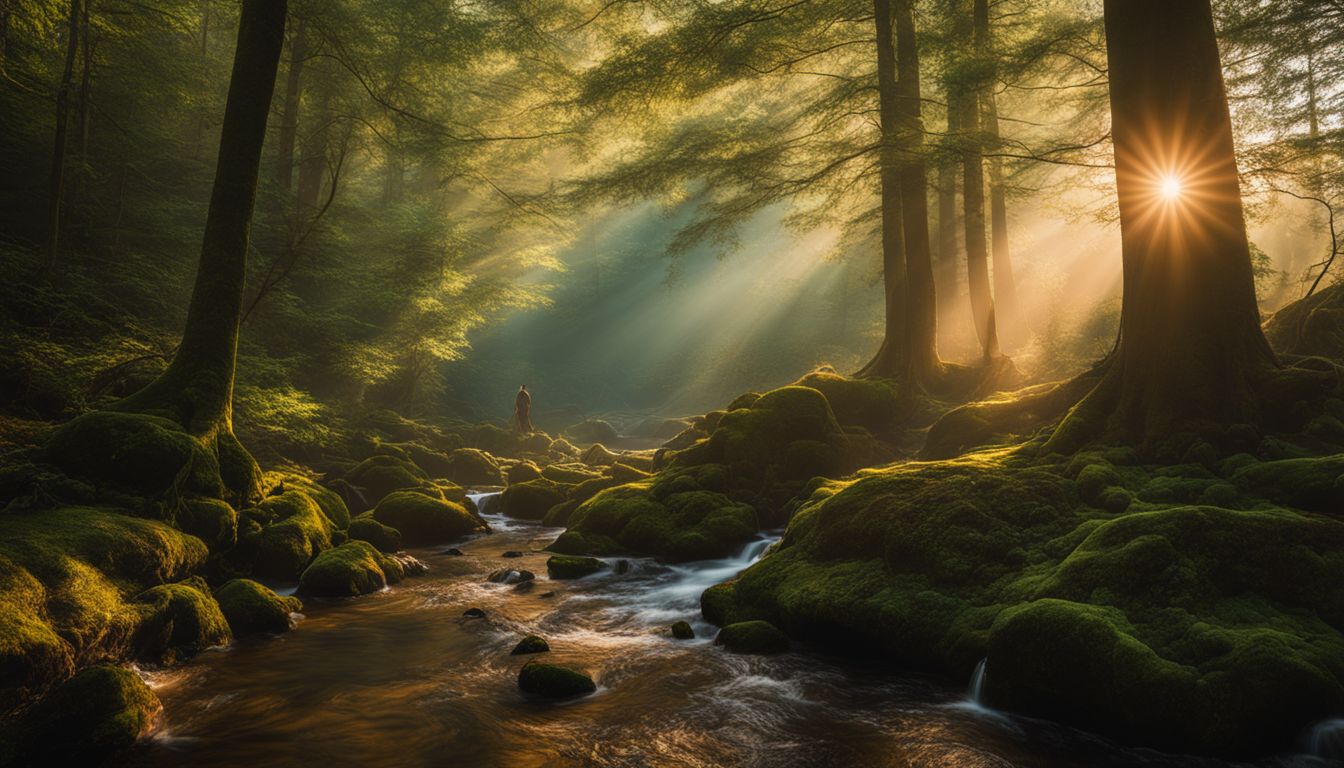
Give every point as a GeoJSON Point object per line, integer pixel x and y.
{"type": "Point", "coordinates": [1171, 188]}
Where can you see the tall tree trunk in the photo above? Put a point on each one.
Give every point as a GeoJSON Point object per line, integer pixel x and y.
{"type": "Point", "coordinates": [289, 121]}
{"type": "Point", "coordinates": [1006, 319]}
{"type": "Point", "coordinates": [196, 390]}
{"type": "Point", "coordinates": [973, 206]}
{"type": "Point", "coordinates": [947, 214]}
{"type": "Point", "coordinates": [58, 144]}
{"type": "Point", "coordinates": [1191, 351]}
{"type": "Point", "coordinates": [921, 294]}
{"type": "Point", "coordinates": [4, 34]}
{"type": "Point", "coordinates": [82, 112]}
{"type": "Point", "coordinates": [892, 359]}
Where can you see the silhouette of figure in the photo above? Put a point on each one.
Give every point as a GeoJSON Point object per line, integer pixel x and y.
{"type": "Point", "coordinates": [522, 410]}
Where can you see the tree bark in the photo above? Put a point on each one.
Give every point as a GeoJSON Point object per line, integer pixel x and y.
{"type": "Point", "coordinates": [1191, 351]}
{"type": "Point", "coordinates": [947, 214]}
{"type": "Point", "coordinates": [196, 390]}
{"type": "Point", "coordinates": [313, 163]}
{"type": "Point", "coordinates": [1005, 288]}
{"type": "Point", "coordinates": [57, 181]}
{"type": "Point", "coordinates": [921, 294]}
{"type": "Point", "coordinates": [892, 360]}
{"type": "Point", "coordinates": [289, 121]}
{"type": "Point", "coordinates": [973, 207]}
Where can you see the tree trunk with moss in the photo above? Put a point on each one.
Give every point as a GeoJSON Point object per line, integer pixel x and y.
{"type": "Point", "coordinates": [1006, 319]}
{"type": "Point", "coordinates": [973, 201]}
{"type": "Point", "coordinates": [892, 360]}
{"type": "Point", "coordinates": [196, 390]}
{"type": "Point", "coordinates": [1191, 352]}
{"type": "Point", "coordinates": [921, 294]}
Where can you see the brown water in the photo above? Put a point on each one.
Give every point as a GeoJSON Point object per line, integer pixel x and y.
{"type": "Point", "coordinates": [401, 678]}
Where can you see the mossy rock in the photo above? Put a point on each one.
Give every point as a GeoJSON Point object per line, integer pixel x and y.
{"type": "Point", "coordinates": [874, 404]}
{"type": "Point", "coordinates": [213, 521]}
{"type": "Point", "coordinates": [562, 449]}
{"type": "Point", "coordinates": [377, 476]}
{"type": "Point", "coordinates": [179, 621]}
{"type": "Point", "coordinates": [472, 466]}
{"type": "Point", "coordinates": [558, 516]}
{"type": "Point", "coordinates": [682, 630]}
{"type": "Point", "coordinates": [531, 500]}
{"type": "Point", "coordinates": [294, 530]}
{"type": "Point", "coordinates": [624, 473]}
{"type": "Point", "coordinates": [744, 400]}
{"type": "Point", "coordinates": [590, 488]}
{"type": "Point", "coordinates": [252, 608]}
{"type": "Point", "coordinates": [423, 520]}
{"type": "Point", "coordinates": [1306, 483]}
{"type": "Point", "coordinates": [592, 431]}
{"type": "Point", "coordinates": [554, 682]}
{"type": "Point", "coordinates": [1094, 479]}
{"type": "Point", "coordinates": [522, 472]}
{"type": "Point", "coordinates": [352, 569]}
{"type": "Point", "coordinates": [569, 474]}
{"type": "Point", "coordinates": [89, 718]}
{"type": "Point", "coordinates": [755, 637]}
{"type": "Point", "coordinates": [384, 537]}
{"type": "Point", "coordinates": [331, 503]}
{"type": "Point", "coordinates": [530, 644]}
{"type": "Point", "coordinates": [671, 517]}
{"type": "Point", "coordinates": [597, 455]}
{"type": "Point", "coordinates": [1187, 627]}
{"type": "Point", "coordinates": [568, 567]}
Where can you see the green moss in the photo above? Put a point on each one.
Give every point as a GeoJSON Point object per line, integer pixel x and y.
{"type": "Point", "coordinates": [559, 515]}
{"type": "Point", "coordinates": [472, 466]}
{"type": "Point", "coordinates": [598, 455]}
{"type": "Point", "coordinates": [569, 474]}
{"type": "Point", "coordinates": [531, 500]}
{"type": "Point", "coordinates": [294, 530]}
{"type": "Point", "coordinates": [757, 637]}
{"type": "Point", "coordinates": [1193, 628]}
{"type": "Point", "coordinates": [384, 537]}
{"type": "Point", "coordinates": [590, 488]}
{"type": "Point", "coordinates": [568, 567]}
{"type": "Point", "coordinates": [530, 644]}
{"type": "Point", "coordinates": [179, 621]}
{"type": "Point", "coordinates": [672, 518]}
{"type": "Point", "coordinates": [213, 521]}
{"type": "Point", "coordinates": [553, 682]}
{"type": "Point", "coordinates": [1094, 479]}
{"type": "Point", "coordinates": [352, 569]}
{"type": "Point", "coordinates": [328, 500]}
{"type": "Point", "coordinates": [1309, 483]}
{"type": "Point", "coordinates": [871, 403]}
{"type": "Point", "coordinates": [522, 472]}
{"type": "Point", "coordinates": [424, 520]}
{"type": "Point", "coordinates": [377, 476]}
{"type": "Point", "coordinates": [94, 715]}
{"type": "Point", "coordinates": [682, 630]}
{"type": "Point", "coordinates": [251, 608]}
{"type": "Point", "coordinates": [146, 455]}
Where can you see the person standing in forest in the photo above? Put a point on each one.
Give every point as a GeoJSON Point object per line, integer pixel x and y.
{"type": "Point", "coordinates": [522, 410]}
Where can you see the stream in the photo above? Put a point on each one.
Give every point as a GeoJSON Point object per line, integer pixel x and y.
{"type": "Point", "coordinates": [401, 678]}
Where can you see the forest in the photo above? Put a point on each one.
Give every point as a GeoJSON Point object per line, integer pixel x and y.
{"type": "Point", "coordinates": [778, 383]}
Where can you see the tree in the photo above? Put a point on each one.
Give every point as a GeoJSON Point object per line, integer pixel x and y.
{"type": "Point", "coordinates": [1191, 351]}
{"type": "Point", "coordinates": [196, 390]}
{"type": "Point", "coordinates": [59, 141]}
{"type": "Point", "coordinates": [965, 96]}
{"type": "Point", "coordinates": [1005, 289]}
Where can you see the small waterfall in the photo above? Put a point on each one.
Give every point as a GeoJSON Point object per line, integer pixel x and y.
{"type": "Point", "coordinates": [977, 689]}
{"type": "Point", "coordinates": [1326, 739]}
{"type": "Point", "coordinates": [483, 501]}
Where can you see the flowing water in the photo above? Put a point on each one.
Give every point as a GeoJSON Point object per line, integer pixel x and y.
{"type": "Point", "coordinates": [402, 678]}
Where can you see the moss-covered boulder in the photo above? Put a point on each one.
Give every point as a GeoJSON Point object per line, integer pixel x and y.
{"type": "Point", "coordinates": [352, 569]}
{"type": "Point", "coordinates": [213, 521]}
{"type": "Point", "coordinates": [569, 473]}
{"type": "Point", "coordinates": [252, 608]}
{"type": "Point", "coordinates": [1184, 626]}
{"type": "Point", "coordinates": [682, 630]}
{"type": "Point", "coordinates": [522, 472]}
{"type": "Point", "coordinates": [377, 476]}
{"type": "Point", "coordinates": [293, 531]}
{"type": "Point", "coordinates": [530, 644]}
{"type": "Point", "coordinates": [472, 466]}
{"type": "Point", "coordinates": [66, 576]}
{"type": "Point", "coordinates": [384, 537]}
{"type": "Point", "coordinates": [759, 637]}
{"type": "Point", "coordinates": [531, 500]}
{"type": "Point", "coordinates": [674, 516]}
{"type": "Point", "coordinates": [94, 715]}
{"type": "Point", "coordinates": [424, 520]}
{"type": "Point", "coordinates": [598, 455]}
{"type": "Point", "coordinates": [554, 682]}
{"type": "Point", "coordinates": [567, 567]}
{"type": "Point", "coordinates": [328, 500]}
{"type": "Point", "coordinates": [178, 621]}
{"type": "Point", "coordinates": [874, 404]}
